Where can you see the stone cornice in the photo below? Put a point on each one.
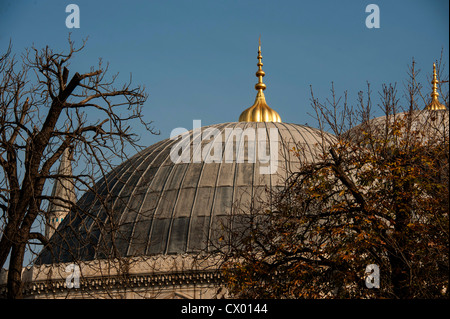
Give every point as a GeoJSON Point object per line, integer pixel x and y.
{"type": "Point", "coordinates": [109, 277]}
{"type": "Point", "coordinates": [122, 283]}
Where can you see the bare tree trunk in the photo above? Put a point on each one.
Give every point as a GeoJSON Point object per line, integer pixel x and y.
{"type": "Point", "coordinates": [5, 243]}
{"type": "Point", "coordinates": [15, 272]}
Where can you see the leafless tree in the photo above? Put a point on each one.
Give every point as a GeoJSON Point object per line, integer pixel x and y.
{"type": "Point", "coordinates": [44, 112]}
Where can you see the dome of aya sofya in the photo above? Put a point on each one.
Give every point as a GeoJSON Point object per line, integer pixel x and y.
{"type": "Point", "coordinates": [175, 196]}
{"type": "Point", "coordinates": [168, 199]}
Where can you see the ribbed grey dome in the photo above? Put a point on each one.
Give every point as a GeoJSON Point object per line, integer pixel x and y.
{"type": "Point", "coordinates": [162, 207]}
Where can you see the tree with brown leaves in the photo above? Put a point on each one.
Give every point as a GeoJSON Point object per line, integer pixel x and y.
{"type": "Point", "coordinates": [379, 195]}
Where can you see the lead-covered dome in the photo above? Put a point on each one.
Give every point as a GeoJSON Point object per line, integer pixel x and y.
{"type": "Point", "coordinates": [151, 205]}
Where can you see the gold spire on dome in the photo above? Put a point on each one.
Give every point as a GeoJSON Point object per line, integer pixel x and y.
{"type": "Point", "coordinates": [259, 111]}
{"type": "Point", "coordinates": [435, 104]}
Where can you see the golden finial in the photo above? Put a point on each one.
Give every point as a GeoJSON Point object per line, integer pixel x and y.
{"type": "Point", "coordinates": [260, 73]}
{"type": "Point", "coordinates": [259, 111]}
{"type": "Point", "coordinates": [434, 82]}
{"type": "Point", "coordinates": [435, 105]}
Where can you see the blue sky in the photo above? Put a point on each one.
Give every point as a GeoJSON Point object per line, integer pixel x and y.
{"type": "Point", "coordinates": [197, 58]}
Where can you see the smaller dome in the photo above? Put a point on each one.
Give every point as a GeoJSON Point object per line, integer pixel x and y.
{"type": "Point", "coordinates": [433, 120]}
{"type": "Point", "coordinates": [433, 123]}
